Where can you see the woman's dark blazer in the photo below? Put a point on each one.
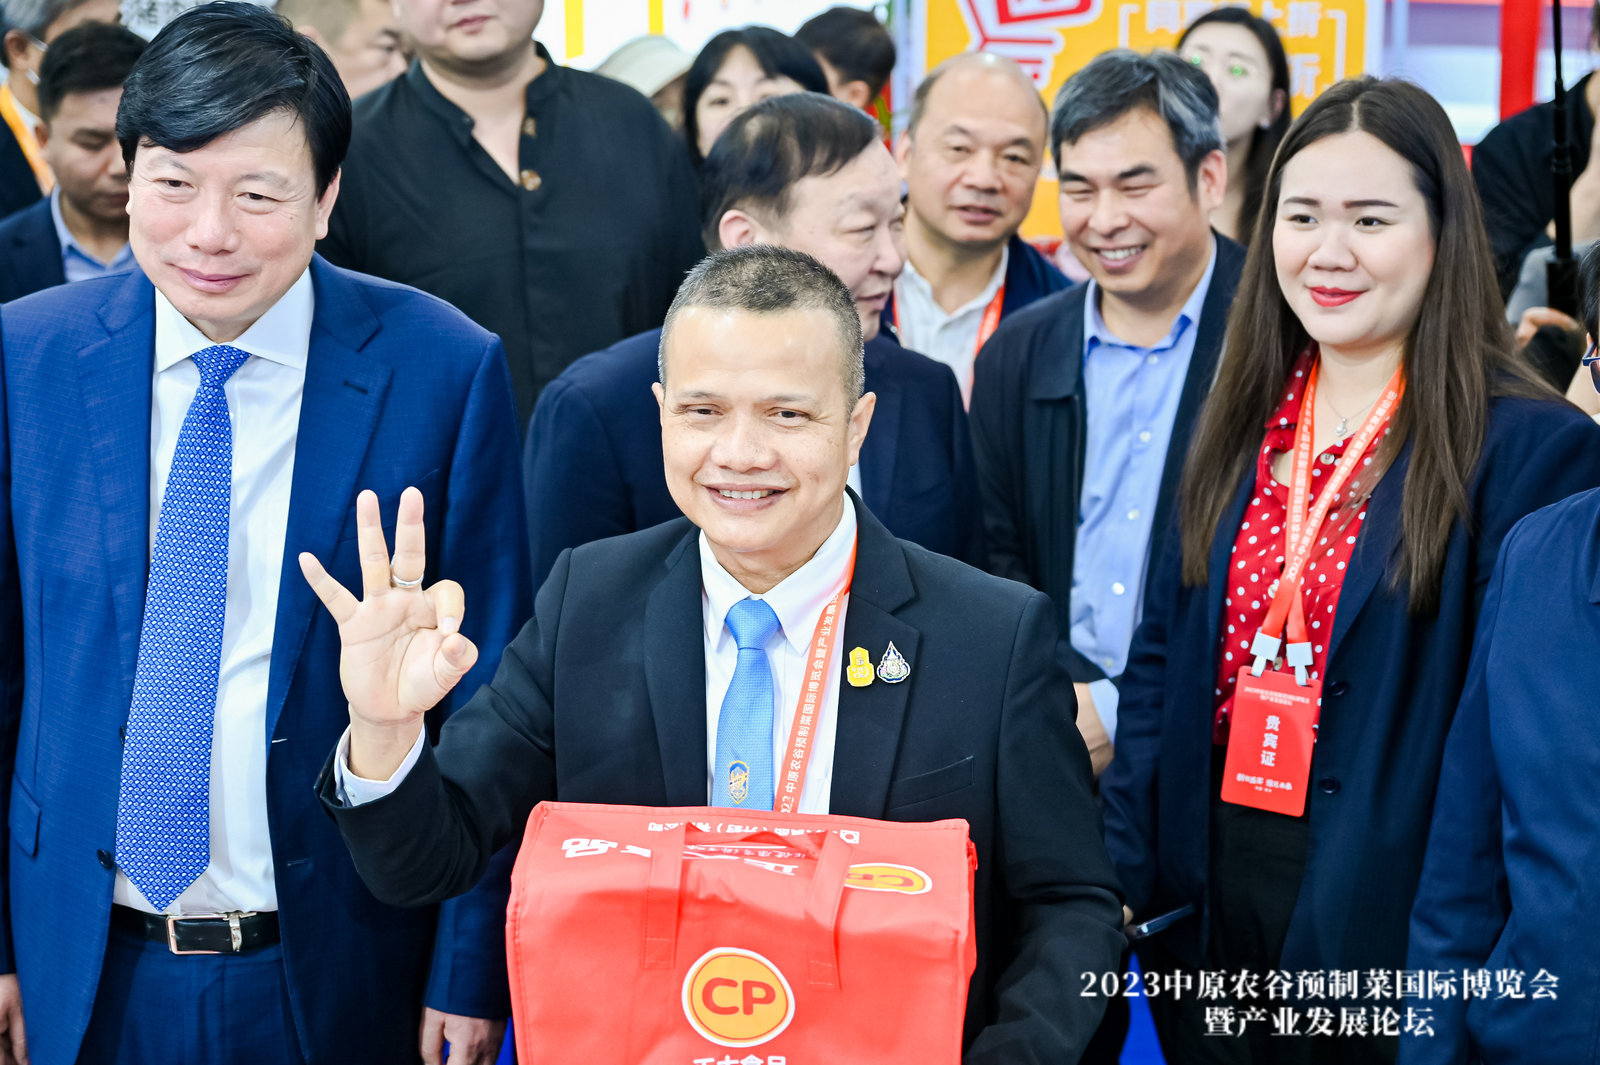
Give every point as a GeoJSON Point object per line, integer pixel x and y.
{"type": "Point", "coordinates": [1389, 694]}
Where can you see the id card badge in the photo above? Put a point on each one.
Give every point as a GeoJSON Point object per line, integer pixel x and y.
{"type": "Point", "coordinates": [1272, 733]}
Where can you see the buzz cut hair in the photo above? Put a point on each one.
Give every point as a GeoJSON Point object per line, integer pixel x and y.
{"type": "Point", "coordinates": [765, 279]}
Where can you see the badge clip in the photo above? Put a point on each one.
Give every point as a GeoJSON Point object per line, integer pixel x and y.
{"type": "Point", "coordinates": [1265, 649]}
{"type": "Point", "coordinates": [1298, 655]}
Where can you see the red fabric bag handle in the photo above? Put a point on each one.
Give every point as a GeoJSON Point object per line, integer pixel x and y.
{"type": "Point", "coordinates": [823, 898]}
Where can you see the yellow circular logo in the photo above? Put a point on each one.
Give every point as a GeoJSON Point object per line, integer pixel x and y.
{"type": "Point", "coordinates": [737, 998]}
{"type": "Point", "coordinates": [901, 878]}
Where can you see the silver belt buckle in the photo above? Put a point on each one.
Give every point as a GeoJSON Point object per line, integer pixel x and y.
{"type": "Point", "coordinates": [232, 917]}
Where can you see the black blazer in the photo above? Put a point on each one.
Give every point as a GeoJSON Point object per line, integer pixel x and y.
{"type": "Point", "coordinates": [592, 461]}
{"type": "Point", "coordinates": [1030, 431]}
{"type": "Point", "coordinates": [1389, 694]}
{"type": "Point", "coordinates": [18, 186]}
{"type": "Point", "coordinates": [30, 253]}
{"type": "Point", "coordinates": [601, 698]}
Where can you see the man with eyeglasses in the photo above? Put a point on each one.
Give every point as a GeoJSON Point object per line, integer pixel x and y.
{"type": "Point", "coordinates": [29, 27]}
{"type": "Point", "coordinates": [1516, 819]}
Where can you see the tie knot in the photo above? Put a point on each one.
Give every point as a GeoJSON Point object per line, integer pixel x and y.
{"type": "Point", "coordinates": [217, 363]}
{"type": "Point", "coordinates": [752, 623]}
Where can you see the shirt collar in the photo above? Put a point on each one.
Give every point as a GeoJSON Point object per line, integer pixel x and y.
{"type": "Point", "coordinates": [798, 599]}
{"type": "Point", "coordinates": [69, 243]}
{"type": "Point", "coordinates": [911, 277]}
{"type": "Point", "coordinates": [1094, 326]}
{"type": "Point", "coordinates": [282, 335]}
{"type": "Point", "coordinates": [547, 82]}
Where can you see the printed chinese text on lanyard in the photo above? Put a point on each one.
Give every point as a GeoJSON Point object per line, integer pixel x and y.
{"type": "Point", "coordinates": [986, 327]}
{"type": "Point", "coordinates": [1273, 726]}
{"type": "Point", "coordinates": [791, 778]}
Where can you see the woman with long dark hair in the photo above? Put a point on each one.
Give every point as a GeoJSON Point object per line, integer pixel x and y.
{"type": "Point", "coordinates": [1244, 59]}
{"type": "Point", "coordinates": [1367, 444]}
{"type": "Point", "coordinates": [738, 68]}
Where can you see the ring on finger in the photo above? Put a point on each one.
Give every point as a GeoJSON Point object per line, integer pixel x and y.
{"type": "Point", "coordinates": [394, 579]}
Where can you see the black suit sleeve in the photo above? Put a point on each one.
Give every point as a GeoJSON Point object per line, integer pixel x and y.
{"type": "Point", "coordinates": [964, 472]}
{"type": "Point", "coordinates": [997, 450]}
{"type": "Point", "coordinates": [433, 836]}
{"type": "Point", "coordinates": [1056, 885]}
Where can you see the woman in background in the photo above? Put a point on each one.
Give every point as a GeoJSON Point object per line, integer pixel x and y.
{"type": "Point", "coordinates": [738, 68]}
{"type": "Point", "coordinates": [1244, 59]}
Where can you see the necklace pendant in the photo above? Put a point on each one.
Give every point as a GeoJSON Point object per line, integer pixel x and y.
{"type": "Point", "coordinates": [1340, 429]}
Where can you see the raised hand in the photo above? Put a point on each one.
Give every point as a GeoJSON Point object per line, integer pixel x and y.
{"type": "Point", "coordinates": [401, 646]}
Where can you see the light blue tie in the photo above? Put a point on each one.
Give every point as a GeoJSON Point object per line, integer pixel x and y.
{"type": "Point", "coordinates": [164, 811]}
{"type": "Point", "coordinates": [743, 773]}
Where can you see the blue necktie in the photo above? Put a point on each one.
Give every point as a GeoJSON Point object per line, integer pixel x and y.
{"type": "Point", "coordinates": [164, 811]}
{"type": "Point", "coordinates": [743, 773]}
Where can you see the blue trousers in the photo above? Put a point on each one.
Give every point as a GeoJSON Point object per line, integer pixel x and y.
{"type": "Point", "coordinates": [157, 1008]}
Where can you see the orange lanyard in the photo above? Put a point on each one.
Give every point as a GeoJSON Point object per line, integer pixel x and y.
{"type": "Point", "coordinates": [813, 685]}
{"type": "Point", "coordinates": [986, 326]}
{"type": "Point", "coordinates": [1288, 604]}
{"type": "Point", "coordinates": [25, 141]}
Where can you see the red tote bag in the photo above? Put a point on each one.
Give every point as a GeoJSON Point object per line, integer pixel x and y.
{"type": "Point", "coordinates": [694, 936]}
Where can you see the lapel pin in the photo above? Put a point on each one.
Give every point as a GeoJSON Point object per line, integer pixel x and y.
{"type": "Point", "coordinates": [893, 667]}
{"type": "Point", "coordinates": [859, 671]}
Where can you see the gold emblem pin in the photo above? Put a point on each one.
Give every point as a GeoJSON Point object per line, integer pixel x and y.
{"type": "Point", "coordinates": [859, 671]}
{"type": "Point", "coordinates": [893, 667]}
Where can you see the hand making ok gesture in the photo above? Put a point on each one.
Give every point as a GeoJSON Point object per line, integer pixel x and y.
{"type": "Point", "coordinates": [402, 649]}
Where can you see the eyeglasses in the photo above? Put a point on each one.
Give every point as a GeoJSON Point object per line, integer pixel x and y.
{"type": "Point", "coordinates": [1591, 359]}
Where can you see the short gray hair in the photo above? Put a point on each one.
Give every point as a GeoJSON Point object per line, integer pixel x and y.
{"type": "Point", "coordinates": [765, 279]}
{"type": "Point", "coordinates": [33, 17]}
{"type": "Point", "coordinates": [1118, 81]}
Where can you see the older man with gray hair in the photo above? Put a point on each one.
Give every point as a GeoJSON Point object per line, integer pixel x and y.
{"type": "Point", "coordinates": [28, 27]}
{"type": "Point", "coordinates": [1083, 403]}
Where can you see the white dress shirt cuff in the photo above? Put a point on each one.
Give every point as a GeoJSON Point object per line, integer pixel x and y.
{"type": "Point", "coordinates": [1105, 696]}
{"type": "Point", "coordinates": [355, 791]}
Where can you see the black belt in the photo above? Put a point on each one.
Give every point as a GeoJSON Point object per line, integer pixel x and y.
{"type": "Point", "coordinates": [211, 933]}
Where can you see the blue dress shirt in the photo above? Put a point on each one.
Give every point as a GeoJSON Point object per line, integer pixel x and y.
{"type": "Point", "coordinates": [77, 263]}
{"type": "Point", "coordinates": [1132, 394]}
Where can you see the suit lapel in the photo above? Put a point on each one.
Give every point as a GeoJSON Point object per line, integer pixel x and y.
{"type": "Point", "coordinates": [1375, 546]}
{"type": "Point", "coordinates": [675, 673]}
{"type": "Point", "coordinates": [878, 452]}
{"type": "Point", "coordinates": [344, 393]}
{"type": "Point", "coordinates": [871, 718]}
{"type": "Point", "coordinates": [115, 377]}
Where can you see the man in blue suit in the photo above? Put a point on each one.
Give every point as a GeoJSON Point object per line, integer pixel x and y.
{"type": "Point", "coordinates": [169, 441]}
{"type": "Point", "coordinates": [1506, 884]}
{"type": "Point", "coordinates": [806, 172]}
{"type": "Point", "coordinates": [80, 230]}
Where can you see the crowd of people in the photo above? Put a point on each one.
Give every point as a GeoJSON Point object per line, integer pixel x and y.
{"type": "Point", "coordinates": [375, 471]}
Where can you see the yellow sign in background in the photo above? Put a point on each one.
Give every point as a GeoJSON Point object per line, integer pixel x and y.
{"type": "Point", "coordinates": [1326, 40]}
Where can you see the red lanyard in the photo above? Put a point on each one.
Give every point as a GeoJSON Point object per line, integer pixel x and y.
{"type": "Point", "coordinates": [812, 687]}
{"type": "Point", "coordinates": [1288, 604]}
{"type": "Point", "coordinates": [986, 325]}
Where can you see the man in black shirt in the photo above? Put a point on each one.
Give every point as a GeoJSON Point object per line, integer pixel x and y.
{"type": "Point", "coordinates": [553, 206]}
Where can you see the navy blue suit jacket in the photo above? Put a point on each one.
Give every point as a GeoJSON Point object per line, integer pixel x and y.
{"type": "Point", "coordinates": [982, 729]}
{"type": "Point", "coordinates": [30, 253]}
{"type": "Point", "coordinates": [593, 462]}
{"type": "Point", "coordinates": [1389, 693]}
{"type": "Point", "coordinates": [1509, 879]}
{"type": "Point", "coordinates": [1030, 424]}
{"type": "Point", "coordinates": [400, 390]}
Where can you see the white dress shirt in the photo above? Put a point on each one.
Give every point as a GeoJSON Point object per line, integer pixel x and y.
{"type": "Point", "coordinates": [798, 601]}
{"type": "Point", "coordinates": [264, 397]}
{"type": "Point", "coordinates": [951, 338]}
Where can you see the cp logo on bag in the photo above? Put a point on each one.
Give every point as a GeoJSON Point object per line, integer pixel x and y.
{"type": "Point", "coordinates": [737, 998]}
{"type": "Point", "coordinates": [902, 878]}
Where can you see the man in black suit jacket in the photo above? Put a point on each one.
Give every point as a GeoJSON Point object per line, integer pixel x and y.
{"type": "Point", "coordinates": [1080, 433]}
{"type": "Point", "coordinates": [612, 690]}
{"type": "Point", "coordinates": [592, 461]}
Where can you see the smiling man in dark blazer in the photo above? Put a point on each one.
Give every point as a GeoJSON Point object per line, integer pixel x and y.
{"type": "Point", "coordinates": [616, 689]}
{"type": "Point", "coordinates": [1083, 403]}
{"type": "Point", "coordinates": [802, 171]}
{"type": "Point", "coordinates": [169, 440]}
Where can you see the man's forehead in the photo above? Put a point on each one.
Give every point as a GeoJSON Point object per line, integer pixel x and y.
{"type": "Point", "coordinates": [869, 181]}
{"type": "Point", "coordinates": [1137, 139]}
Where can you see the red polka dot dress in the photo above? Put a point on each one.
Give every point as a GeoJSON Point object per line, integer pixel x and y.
{"type": "Point", "coordinates": [1258, 550]}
